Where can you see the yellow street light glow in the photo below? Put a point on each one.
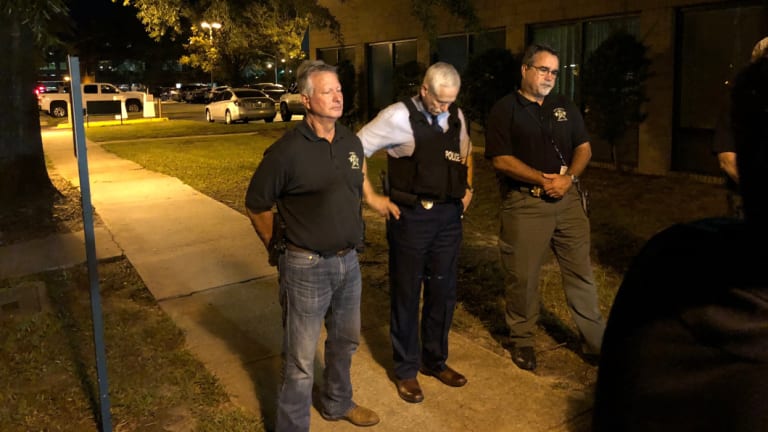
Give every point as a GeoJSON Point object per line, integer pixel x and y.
{"type": "Point", "coordinates": [211, 27]}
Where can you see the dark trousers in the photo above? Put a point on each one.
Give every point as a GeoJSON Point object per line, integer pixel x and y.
{"type": "Point", "coordinates": [423, 250]}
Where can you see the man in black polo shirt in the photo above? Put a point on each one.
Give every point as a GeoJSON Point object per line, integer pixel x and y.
{"type": "Point", "coordinates": [314, 174]}
{"type": "Point", "coordinates": [539, 145]}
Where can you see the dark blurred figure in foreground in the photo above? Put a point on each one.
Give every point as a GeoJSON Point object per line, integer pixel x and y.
{"type": "Point", "coordinates": [686, 345]}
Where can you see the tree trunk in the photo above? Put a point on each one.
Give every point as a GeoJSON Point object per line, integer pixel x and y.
{"type": "Point", "coordinates": [23, 174]}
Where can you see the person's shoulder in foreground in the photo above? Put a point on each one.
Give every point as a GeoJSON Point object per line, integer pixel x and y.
{"type": "Point", "coordinates": [686, 346]}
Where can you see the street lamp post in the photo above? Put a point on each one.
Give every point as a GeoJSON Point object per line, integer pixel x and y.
{"type": "Point", "coordinates": [211, 27]}
{"type": "Point", "coordinates": [274, 65]}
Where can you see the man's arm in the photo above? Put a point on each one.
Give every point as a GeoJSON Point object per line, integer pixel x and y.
{"type": "Point", "coordinates": [470, 192]}
{"type": "Point", "coordinates": [262, 224]}
{"type": "Point", "coordinates": [581, 157]}
{"type": "Point", "coordinates": [728, 165]}
{"type": "Point", "coordinates": [379, 203]}
{"type": "Point", "coordinates": [517, 169]}
{"type": "Point", "coordinates": [558, 184]}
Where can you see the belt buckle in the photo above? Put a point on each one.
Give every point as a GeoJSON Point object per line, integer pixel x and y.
{"type": "Point", "coordinates": [427, 204]}
{"type": "Point", "coordinates": [536, 191]}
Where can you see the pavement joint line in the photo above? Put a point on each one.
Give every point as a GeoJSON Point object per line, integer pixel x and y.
{"type": "Point", "coordinates": [213, 288]}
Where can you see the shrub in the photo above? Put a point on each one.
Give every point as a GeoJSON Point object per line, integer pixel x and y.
{"type": "Point", "coordinates": [614, 88]}
{"type": "Point", "coordinates": [489, 76]}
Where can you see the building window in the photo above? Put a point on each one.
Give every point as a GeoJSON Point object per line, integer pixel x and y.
{"type": "Point", "coordinates": [707, 62]}
{"type": "Point", "coordinates": [334, 56]}
{"type": "Point", "coordinates": [575, 42]}
{"type": "Point", "coordinates": [458, 49]}
{"type": "Point", "coordinates": [383, 60]}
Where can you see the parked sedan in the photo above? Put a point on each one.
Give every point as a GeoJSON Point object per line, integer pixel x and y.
{"type": "Point", "coordinates": [240, 104]}
{"type": "Point", "coordinates": [272, 90]}
{"type": "Point", "coordinates": [290, 104]}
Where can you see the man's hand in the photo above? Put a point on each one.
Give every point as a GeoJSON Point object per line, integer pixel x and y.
{"type": "Point", "coordinates": [556, 185]}
{"type": "Point", "coordinates": [382, 205]}
{"type": "Point", "coordinates": [467, 198]}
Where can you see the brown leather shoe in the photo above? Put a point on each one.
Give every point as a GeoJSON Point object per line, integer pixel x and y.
{"type": "Point", "coordinates": [410, 390]}
{"type": "Point", "coordinates": [447, 376]}
{"type": "Point", "coordinates": [357, 415]}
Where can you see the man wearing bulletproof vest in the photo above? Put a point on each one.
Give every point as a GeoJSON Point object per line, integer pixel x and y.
{"type": "Point", "coordinates": [429, 186]}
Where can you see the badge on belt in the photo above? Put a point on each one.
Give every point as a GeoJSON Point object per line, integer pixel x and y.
{"type": "Point", "coordinates": [427, 204]}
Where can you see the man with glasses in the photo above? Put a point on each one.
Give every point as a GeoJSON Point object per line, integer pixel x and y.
{"type": "Point", "coordinates": [429, 164]}
{"type": "Point", "coordinates": [538, 145]}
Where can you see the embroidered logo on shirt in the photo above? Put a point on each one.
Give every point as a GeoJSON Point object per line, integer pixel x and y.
{"type": "Point", "coordinates": [560, 114]}
{"type": "Point", "coordinates": [354, 161]}
{"type": "Point", "coordinates": [452, 156]}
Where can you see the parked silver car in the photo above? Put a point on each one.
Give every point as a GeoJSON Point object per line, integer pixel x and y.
{"type": "Point", "coordinates": [290, 104]}
{"type": "Point", "coordinates": [240, 104]}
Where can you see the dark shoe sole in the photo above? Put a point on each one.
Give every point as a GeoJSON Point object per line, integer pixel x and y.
{"type": "Point", "coordinates": [371, 422]}
{"type": "Point", "coordinates": [524, 360]}
{"type": "Point", "coordinates": [448, 383]}
{"type": "Point", "coordinates": [409, 397]}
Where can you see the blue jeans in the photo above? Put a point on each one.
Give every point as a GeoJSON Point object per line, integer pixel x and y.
{"type": "Point", "coordinates": [314, 290]}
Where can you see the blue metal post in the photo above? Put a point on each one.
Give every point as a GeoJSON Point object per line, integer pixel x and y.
{"type": "Point", "coordinates": [90, 243]}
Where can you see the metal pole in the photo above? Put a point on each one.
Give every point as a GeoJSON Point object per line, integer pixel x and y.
{"type": "Point", "coordinates": [212, 57]}
{"type": "Point", "coordinates": [90, 243]}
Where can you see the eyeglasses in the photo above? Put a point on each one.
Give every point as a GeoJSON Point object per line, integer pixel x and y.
{"type": "Point", "coordinates": [543, 70]}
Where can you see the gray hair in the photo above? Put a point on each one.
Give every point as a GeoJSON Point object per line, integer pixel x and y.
{"type": "Point", "coordinates": [306, 69]}
{"type": "Point", "coordinates": [441, 74]}
{"type": "Point", "coordinates": [534, 49]}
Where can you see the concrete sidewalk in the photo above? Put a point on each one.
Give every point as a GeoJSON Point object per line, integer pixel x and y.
{"type": "Point", "coordinates": [206, 268]}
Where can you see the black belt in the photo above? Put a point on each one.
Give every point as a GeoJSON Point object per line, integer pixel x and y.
{"type": "Point", "coordinates": [412, 200]}
{"type": "Point", "coordinates": [340, 253]}
{"type": "Point", "coordinates": [534, 191]}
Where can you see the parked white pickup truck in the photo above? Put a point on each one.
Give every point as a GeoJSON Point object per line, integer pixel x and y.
{"type": "Point", "coordinates": [55, 104]}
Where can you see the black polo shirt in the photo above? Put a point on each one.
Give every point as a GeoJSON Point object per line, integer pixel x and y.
{"type": "Point", "coordinates": [521, 128]}
{"type": "Point", "coordinates": [317, 186]}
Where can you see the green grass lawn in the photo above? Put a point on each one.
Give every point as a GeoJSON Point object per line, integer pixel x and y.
{"type": "Point", "coordinates": [218, 166]}
{"type": "Point", "coordinates": [49, 372]}
{"type": "Point", "coordinates": [179, 128]}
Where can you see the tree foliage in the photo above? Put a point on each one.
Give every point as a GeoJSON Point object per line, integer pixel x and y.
{"type": "Point", "coordinates": [424, 12]}
{"type": "Point", "coordinates": [251, 31]}
{"type": "Point", "coordinates": [614, 87]}
{"type": "Point", "coordinates": [407, 79]}
{"type": "Point", "coordinates": [488, 77]}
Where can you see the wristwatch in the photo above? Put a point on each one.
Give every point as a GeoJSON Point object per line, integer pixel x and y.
{"type": "Point", "coordinates": [574, 179]}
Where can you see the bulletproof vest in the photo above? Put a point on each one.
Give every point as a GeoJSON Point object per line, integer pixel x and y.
{"type": "Point", "coordinates": [434, 170]}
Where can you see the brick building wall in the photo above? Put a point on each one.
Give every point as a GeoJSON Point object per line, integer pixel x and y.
{"type": "Point", "coordinates": [364, 22]}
